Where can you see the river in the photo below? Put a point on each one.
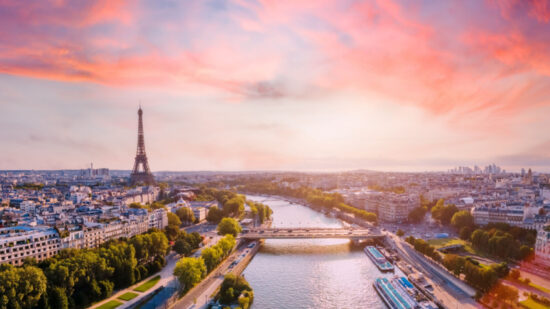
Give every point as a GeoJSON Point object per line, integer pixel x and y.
{"type": "Point", "coordinates": [316, 273]}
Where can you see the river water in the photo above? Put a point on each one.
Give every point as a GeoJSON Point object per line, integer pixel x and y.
{"type": "Point", "coordinates": [316, 273]}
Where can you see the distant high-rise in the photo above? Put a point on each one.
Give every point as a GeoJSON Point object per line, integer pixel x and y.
{"type": "Point", "coordinates": [141, 175]}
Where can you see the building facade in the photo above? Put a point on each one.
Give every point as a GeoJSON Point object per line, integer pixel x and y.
{"type": "Point", "coordinates": [20, 242]}
{"type": "Point", "coordinates": [542, 246]}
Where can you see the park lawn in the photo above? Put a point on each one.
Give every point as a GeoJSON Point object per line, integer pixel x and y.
{"type": "Point", "coordinates": [110, 305]}
{"type": "Point", "coordinates": [531, 304]}
{"type": "Point", "coordinates": [147, 285]}
{"type": "Point", "coordinates": [443, 242]}
{"type": "Point", "coordinates": [128, 296]}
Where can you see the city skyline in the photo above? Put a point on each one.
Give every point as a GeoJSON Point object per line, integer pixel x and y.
{"type": "Point", "coordinates": [246, 85]}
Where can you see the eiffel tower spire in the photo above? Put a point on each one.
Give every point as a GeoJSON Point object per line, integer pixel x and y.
{"type": "Point", "coordinates": [143, 175]}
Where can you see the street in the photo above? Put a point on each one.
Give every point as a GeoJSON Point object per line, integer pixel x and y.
{"type": "Point", "coordinates": [445, 286]}
{"type": "Point", "coordinates": [200, 295]}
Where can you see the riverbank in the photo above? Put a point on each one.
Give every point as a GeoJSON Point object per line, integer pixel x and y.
{"type": "Point", "coordinates": [310, 273]}
{"type": "Point", "coordinates": [334, 213]}
{"type": "Point", "coordinates": [200, 295]}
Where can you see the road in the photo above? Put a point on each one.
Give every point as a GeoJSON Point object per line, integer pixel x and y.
{"type": "Point", "coordinates": [211, 237]}
{"type": "Point", "coordinates": [200, 295]}
{"type": "Point", "coordinates": [445, 287]}
{"type": "Point", "coordinates": [201, 228]}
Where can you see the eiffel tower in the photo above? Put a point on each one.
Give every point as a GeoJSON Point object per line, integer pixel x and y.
{"type": "Point", "coordinates": [144, 175]}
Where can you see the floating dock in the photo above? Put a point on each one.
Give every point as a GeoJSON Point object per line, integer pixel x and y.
{"type": "Point", "coordinates": [378, 258]}
{"type": "Point", "coordinates": [394, 298]}
{"type": "Point", "coordinates": [400, 293]}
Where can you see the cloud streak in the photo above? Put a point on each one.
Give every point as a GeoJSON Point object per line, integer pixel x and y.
{"type": "Point", "coordinates": [244, 47]}
{"type": "Point", "coordinates": [481, 68]}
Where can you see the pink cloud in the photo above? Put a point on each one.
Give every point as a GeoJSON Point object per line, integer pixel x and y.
{"type": "Point", "coordinates": [537, 9]}
{"type": "Point", "coordinates": [271, 48]}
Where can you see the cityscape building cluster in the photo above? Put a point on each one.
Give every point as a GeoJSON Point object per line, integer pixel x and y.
{"type": "Point", "coordinates": [491, 195]}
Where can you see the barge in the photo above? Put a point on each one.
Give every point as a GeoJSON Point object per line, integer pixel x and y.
{"type": "Point", "coordinates": [399, 293]}
{"type": "Point", "coordinates": [378, 259]}
{"type": "Point", "coordinates": [394, 299]}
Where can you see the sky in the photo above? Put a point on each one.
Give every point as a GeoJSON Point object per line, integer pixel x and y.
{"type": "Point", "coordinates": [320, 85]}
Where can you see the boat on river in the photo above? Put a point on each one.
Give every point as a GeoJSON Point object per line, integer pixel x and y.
{"type": "Point", "coordinates": [400, 293]}
{"type": "Point", "coordinates": [393, 297]}
{"type": "Point", "coordinates": [378, 259]}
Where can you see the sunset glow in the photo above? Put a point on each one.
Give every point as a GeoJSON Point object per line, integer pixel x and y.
{"type": "Point", "coordinates": [276, 85]}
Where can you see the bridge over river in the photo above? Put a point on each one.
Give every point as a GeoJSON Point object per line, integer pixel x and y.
{"type": "Point", "coordinates": [308, 233]}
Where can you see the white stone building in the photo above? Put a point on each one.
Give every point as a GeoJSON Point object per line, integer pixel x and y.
{"type": "Point", "coordinates": [20, 242]}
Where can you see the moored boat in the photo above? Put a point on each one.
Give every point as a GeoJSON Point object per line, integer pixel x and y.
{"type": "Point", "coordinates": [378, 259]}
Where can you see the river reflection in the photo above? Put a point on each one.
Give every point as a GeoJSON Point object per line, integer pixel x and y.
{"type": "Point", "coordinates": [316, 273]}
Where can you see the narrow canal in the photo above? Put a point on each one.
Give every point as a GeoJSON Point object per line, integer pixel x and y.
{"type": "Point", "coordinates": [316, 273]}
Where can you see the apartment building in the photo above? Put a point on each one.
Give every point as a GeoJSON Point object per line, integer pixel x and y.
{"type": "Point", "coordinates": [521, 216]}
{"type": "Point", "coordinates": [542, 246]}
{"type": "Point", "coordinates": [396, 207]}
{"type": "Point", "coordinates": [158, 218]}
{"type": "Point", "coordinates": [200, 213]}
{"type": "Point", "coordinates": [20, 242]}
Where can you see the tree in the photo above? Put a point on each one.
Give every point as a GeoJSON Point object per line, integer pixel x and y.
{"type": "Point", "coordinates": [226, 244]}
{"type": "Point", "coordinates": [480, 238]}
{"type": "Point", "coordinates": [443, 213]}
{"type": "Point", "coordinates": [21, 287]}
{"type": "Point", "coordinates": [189, 272]}
{"type": "Point", "coordinates": [182, 247]}
{"type": "Point", "coordinates": [214, 215]}
{"type": "Point", "coordinates": [141, 244]}
{"type": "Point", "coordinates": [462, 219]}
{"type": "Point", "coordinates": [212, 257]}
{"type": "Point", "coordinates": [120, 256]}
{"type": "Point", "coordinates": [447, 214]}
{"type": "Point", "coordinates": [400, 232]}
{"type": "Point", "coordinates": [234, 206]}
{"type": "Point", "coordinates": [437, 210]}
{"type": "Point", "coordinates": [233, 286]}
{"type": "Point", "coordinates": [80, 273]}
{"type": "Point", "coordinates": [466, 232]}
{"type": "Point", "coordinates": [173, 219]}
{"type": "Point", "coordinates": [159, 244]}
{"type": "Point", "coordinates": [454, 263]}
{"type": "Point", "coordinates": [58, 298]}
{"type": "Point", "coordinates": [157, 205]}
{"type": "Point", "coordinates": [171, 231]}
{"type": "Point", "coordinates": [136, 205]}
{"type": "Point", "coordinates": [417, 214]}
{"type": "Point", "coordinates": [186, 215]}
{"type": "Point", "coordinates": [229, 226]}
